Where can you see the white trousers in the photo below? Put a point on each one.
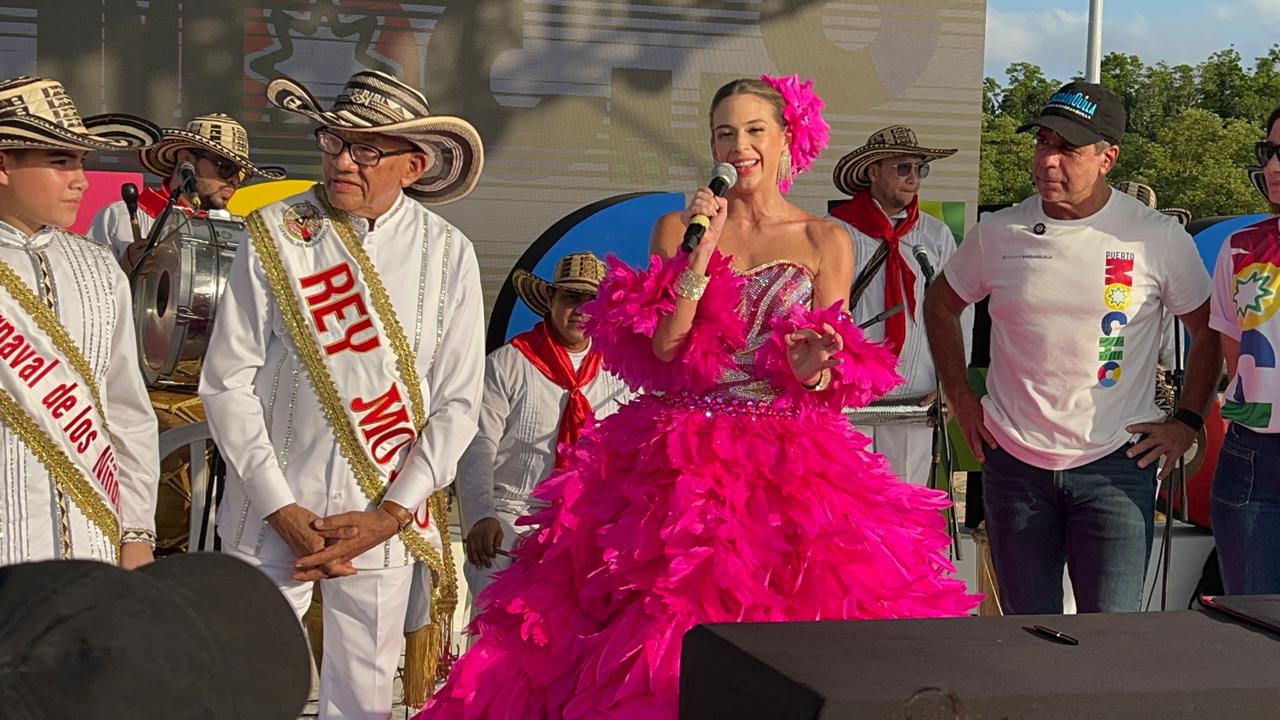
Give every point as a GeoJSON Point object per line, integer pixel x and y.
{"type": "Point", "coordinates": [479, 578]}
{"type": "Point", "coordinates": [363, 635]}
{"type": "Point", "coordinates": [908, 448]}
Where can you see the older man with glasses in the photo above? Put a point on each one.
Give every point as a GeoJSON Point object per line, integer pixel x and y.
{"type": "Point", "coordinates": [344, 376]}
{"type": "Point", "coordinates": [886, 224]}
{"type": "Point", "coordinates": [216, 146]}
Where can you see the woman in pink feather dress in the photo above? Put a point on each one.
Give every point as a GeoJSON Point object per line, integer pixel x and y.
{"type": "Point", "coordinates": [734, 490]}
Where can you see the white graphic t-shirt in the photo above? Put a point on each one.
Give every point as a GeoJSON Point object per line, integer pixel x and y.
{"type": "Point", "coordinates": [1075, 322]}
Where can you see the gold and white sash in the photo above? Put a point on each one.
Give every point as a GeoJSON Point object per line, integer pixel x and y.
{"type": "Point", "coordinates": [348, 337]}
{"type": "Point", "coordinates": [49, 398]}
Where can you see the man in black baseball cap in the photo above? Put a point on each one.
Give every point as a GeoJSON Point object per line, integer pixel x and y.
{"type": "Point", "coordinates": [1082, 113]}
{"type": "Point", "coordinates": [191, 636]}
{"type": "Point", "coordinates": [1069, 435]}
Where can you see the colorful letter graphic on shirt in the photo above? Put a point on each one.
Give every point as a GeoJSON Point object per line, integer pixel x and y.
{"type": "Point", "coordinates": [1116, 295]}
{"type": "Point", "coordinates": [1255, 285]}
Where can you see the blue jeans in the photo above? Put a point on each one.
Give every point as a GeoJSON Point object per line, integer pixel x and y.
{"type": "Point", "coordinates": [1245, 509]}
{"type": "Point", "coordinates": [1097, 519]}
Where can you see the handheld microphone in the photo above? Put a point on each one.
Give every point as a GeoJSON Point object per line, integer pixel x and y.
{"type": "Point", "coordinates": [129, 194]}
{"type": "Point", "coordinates": [922, 257]}
{"type": "Point", "coordinates": [723, 177]}
{"type": "Point", "coordinates": [186, 179]}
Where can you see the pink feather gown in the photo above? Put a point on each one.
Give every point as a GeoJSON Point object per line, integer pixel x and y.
{"type": "Point", "coordinates": [726, 493]}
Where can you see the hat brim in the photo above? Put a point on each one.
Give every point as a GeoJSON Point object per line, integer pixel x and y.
{"type": "Point", "coordinates": [458, 150]}
{"type": "Point", "coordinates": [533, 290]}
{"type": "Point", "coordinates": [1182, 215]}
{"type": "Point", "coordinates": [1076, 134]}
{"type": "Point", "coordinates": [851, 172]}
{"type": "Point", "coordinates": [106, 133]}
{"type": "Point", "coordinates": [247, 617]}
{"type": "Point", "coordinates": [162, 157]}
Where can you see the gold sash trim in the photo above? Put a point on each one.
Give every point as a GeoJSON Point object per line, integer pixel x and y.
{"type": "Point", "coordinates": [444, 596]}
{"type": "Point", "coordinates": [68, 477]}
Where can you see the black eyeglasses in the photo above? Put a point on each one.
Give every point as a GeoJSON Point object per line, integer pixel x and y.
{"type": "Point", "coordinates": [1266, 150]}
{"type": "Point", "coordinates": [331, 143]}
{"type": "Point", "coordinates": [223, 167]}
{"type": "Point", "coordinates": [904, 169]}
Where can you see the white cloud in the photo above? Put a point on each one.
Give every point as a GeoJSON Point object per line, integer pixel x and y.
{"type": "Point", "coordinates": [1268, 9]}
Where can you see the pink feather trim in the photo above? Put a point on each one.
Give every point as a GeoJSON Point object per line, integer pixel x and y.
{"type": "Point", "coordinates": [809, 132]}
{"type": "Point", "coordinates": [631, 303]}
{"type": "Point", "coordinates": [867, 370]}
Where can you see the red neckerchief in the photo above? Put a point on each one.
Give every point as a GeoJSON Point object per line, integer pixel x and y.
{"type": "Point", "coordinates": [866, 215]}
{"type": "Point", "coordinates": [152, 201]}
{"type": "Point", "coordinates": [551, 359]}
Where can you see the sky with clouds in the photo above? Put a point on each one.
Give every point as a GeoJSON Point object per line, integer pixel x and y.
{"type": "Point", "coordinates": [1054, 33]}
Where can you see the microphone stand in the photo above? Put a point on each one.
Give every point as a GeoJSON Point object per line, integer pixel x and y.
{"type": "Point", "coordinates": [1178, 477]}
{"type": "Point", "coordinates": [941, 444]}
{"type": "Point", "coordinates": [153, 237]}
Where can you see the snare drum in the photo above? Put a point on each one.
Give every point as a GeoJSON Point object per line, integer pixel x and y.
{"type": "Point", "coordinates": [176, 295]}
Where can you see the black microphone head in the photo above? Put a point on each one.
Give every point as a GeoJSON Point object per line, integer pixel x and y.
{"type": "Point", "coordinates": [186, 178]}
{"type": "Point", "coordinates": [920, 251]}
{"type": "Point", "coordinates": [723, 177]}
{"type": "Point", "coordinates": [129, 193]}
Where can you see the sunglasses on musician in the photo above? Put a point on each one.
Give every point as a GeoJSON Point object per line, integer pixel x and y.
{"type": "Point", "coordinates": [224, 168]}
{"type": "Point", "coordinates": [905, 168]}
{"type": "Point", "coordinates": [1265, 150]}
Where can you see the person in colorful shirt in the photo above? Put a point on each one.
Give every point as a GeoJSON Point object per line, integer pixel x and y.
{"type": "Point", "coordinates": [1245, 495]}
{"type": "Point", "coordinates": [1069, 435]}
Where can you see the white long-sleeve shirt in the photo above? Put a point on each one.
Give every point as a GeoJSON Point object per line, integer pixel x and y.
{"type": "Point", "coordinates": [111, 227]}
{"type": "Point", "coordinates": [915, 363]}
{"type": "Point", "coordinates": [268, 421]}
{"type": "Point", "coordinates": [514, 449]}
{"type": "Point", "coordinates": [92, 300]}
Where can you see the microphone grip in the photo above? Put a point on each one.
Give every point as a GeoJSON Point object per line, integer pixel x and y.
{"type": "Point", "coordinates": [922, 257]}
{"type": "Point", "coordinates": [693, 234]}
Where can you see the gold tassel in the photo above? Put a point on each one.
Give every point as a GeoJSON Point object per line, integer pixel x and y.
{"type": "Point", "coordinates": [422, 652]}
{"type": "Point", "coordinates": [314, 622]}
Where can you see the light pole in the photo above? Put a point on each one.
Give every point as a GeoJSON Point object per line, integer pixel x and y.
{"type": "Point", "coordinates": [1093, 68]}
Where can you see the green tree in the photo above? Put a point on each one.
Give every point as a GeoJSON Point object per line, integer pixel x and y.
{"type": "Point", "coordinates": [1026, 91]}
{"type": "Point", "coordinates": [1004, 162]}
{"type": "Point", "coordinates": [1197, 161]}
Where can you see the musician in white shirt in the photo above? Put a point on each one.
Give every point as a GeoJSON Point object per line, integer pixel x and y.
{"type": "Point", "coordinates": [884, 177]}
{"type": "Point", "coordinates": [526, 413]}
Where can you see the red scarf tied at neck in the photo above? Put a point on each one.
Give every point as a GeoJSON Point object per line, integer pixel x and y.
{"type": "Point", "coordinates": [865, 214]}
{"type": "Point", "coordinates": [541, 348]}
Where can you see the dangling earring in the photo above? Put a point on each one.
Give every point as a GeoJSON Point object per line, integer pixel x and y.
{"type": "Point", "coordinates": [784, 167]}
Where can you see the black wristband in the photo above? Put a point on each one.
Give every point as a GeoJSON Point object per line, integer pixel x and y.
{"type": "Point", "coordinates": [1188, 418]}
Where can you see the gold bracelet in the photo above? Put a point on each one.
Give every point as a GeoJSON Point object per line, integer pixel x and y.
{"type": "Point", "coordinates": [824, 381]}
{"type": "Point", "coordinates": [691, 285]}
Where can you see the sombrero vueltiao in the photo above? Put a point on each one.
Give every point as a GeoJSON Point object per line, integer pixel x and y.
{"type": "Point", "coordinates": [1147, 196]}
{"type": "Point", "coordinates": [576, 272]}
{"type": "Point", "coordinates": [215, 133]}
{"type": "Point", "coordinates": [850, 175]}
{"type": "Point", "coordinates": [37, 113]}
{"type": "Point", "coordinates": [375, 102]}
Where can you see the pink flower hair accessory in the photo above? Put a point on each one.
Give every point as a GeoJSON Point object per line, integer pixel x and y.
{"type": "Point", "coordinates": [809, 132]}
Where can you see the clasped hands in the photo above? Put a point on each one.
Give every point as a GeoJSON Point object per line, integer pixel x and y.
{"type": "Point", "coordinates": [326, 547]}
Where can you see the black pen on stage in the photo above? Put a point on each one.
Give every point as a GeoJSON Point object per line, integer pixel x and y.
{"type": "Point", "coordinates": [1055, 635]}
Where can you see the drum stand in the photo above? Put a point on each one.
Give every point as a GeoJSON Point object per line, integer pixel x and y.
{"type": "Point", "coordinates": [1178, 488]}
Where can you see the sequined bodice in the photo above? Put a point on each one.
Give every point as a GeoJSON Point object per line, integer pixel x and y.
{"type": "Point", "coordinates": [771, 290]}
